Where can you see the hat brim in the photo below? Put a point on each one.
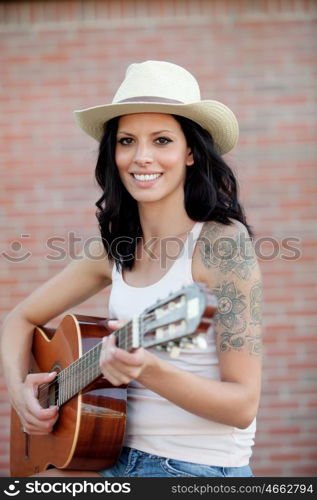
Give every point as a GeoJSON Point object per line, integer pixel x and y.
{"type": "Point", "coordinates": [213, 116]}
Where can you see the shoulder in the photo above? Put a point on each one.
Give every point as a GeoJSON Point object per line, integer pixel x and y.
{"type": "Point", "coordinates": [223, 251]}
{"type": "Point", "coordinates": [94, 258]}
{"type": "Point", "coordinates": [213, 232]}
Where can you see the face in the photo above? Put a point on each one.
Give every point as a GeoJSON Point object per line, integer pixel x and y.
{"type": "Point", "coordinates": [152, 156]}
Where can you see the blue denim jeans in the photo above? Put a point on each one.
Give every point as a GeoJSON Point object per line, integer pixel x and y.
{"type": "Point", "coordinates": [136, 463]}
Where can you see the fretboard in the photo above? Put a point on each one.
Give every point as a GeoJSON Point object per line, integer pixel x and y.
{"type": "Point", "coordinates": [86, 369]}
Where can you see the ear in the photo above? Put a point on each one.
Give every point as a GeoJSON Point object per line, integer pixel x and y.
{"type": "Point", "coordinates": [190, 158]}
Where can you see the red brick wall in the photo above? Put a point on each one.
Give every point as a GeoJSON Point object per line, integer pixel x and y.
{"type": "Point", "coordinates": [257, 57]}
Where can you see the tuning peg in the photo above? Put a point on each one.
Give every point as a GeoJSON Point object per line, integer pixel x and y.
{"type": "Point", "coordinates": [172, 349]}
{"type": "Point", "coordinates": [189, 345]}
{"type": "Point", "coordinates": [169, 345]}
{"type": "Point", "coordinates": [200, 341]}
{"type": "Point", "coordinates": [171, 329]}
{"type": "Point", "coordinates": [159, 333]}
{"type": "Point", "coordinates": [159, 312]}
{"type": "Point", "coordinates": [174, 352]}
{"type": "Point", "coordinates": [186, 343]}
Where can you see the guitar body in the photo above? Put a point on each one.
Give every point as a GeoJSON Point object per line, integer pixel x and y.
{"type": "Point", "coordinates": [90, 430]}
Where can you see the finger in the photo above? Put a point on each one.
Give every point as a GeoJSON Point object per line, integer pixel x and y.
{"type": "Point", "coordinates": [34, 380]}
{"type": "Point", "coordinates": [115, 324]}
{"type": "Point", "coordinates": [116, 378]}
{"type": "Point", "coordinates": [48, 413]}
{"type": "Point", "coordinates": [30, 424]}
{"type": "Point", "coordinates": [39, 419]}
{"type": "Point", "coordinates": [40, 378]}
{"type": "Point", "coordinates": [111, 352]}
{"type": "Point", "coordinates": [123, 369]}
{"type": "Point", "coordinates": [134, 358]}
{"type": "Point", "coordinates": [108, 343]}
{"type": "Point", "coordinates": [114, 370]}
{"type": "Point", "coordinates": [48, 379]}
{"type": "Point", "coordinates": [119, 363]}
{"type": "Point", "coordinates": [34, 400]}
{"type": "Point", "coordinates": [119, 373]}
{"type": "Point", "coordinates": [107, 362]}
{"type": "Point", "coordinates": [33, 406]}
{"type": "Point", "coordinates": [111, 369]}
{"type": "Point", "coordinates": [34, 428]}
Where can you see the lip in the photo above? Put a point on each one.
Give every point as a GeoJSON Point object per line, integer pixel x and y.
{"type": "Point", "coordinates": [145, 173]}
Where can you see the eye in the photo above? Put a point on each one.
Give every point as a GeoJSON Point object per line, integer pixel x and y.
{"type": "Point", "coordinates": [162, 140]}
{"type": "Point", "coordinates": [125, 141]}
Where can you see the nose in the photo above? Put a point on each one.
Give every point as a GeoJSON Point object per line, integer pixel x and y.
{"type": "Point", "coordinates": [143, 156]}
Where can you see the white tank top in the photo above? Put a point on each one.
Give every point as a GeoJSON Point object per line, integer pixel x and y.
{"type": "Point", "coordinates": [154, 424]}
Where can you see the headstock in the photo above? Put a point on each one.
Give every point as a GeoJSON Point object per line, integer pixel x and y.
{"type": "Point", "coordinates": [178, 321]}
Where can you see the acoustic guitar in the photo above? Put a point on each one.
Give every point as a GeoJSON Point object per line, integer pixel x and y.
{"type": "Point", "coordinates": [89, 432]}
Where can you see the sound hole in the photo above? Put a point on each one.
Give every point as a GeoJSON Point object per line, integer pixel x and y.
{"type": "Point", "coordinates": [48, 394]}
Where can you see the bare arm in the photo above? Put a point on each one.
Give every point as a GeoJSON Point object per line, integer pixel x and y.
{"type": "Point", "coordinates": [78, 281]}
{"type": "Point", "coordinates": [232, 400]}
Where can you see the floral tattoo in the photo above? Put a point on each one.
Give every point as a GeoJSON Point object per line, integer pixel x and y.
{"type": "Point", "coordinates": [228, 254]}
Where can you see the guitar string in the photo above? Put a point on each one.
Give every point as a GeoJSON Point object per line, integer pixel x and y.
{"type": "Point", "coordinates": [145, 321]}
{"type": "Point", "coordinates": [70, 390]}
{"type": "Point", "coordinates": [74, 370]}
{"type": "Point", "coordinates": [80, 361]}
{"type": "Point", "coordinates": [72, 375]}
{"type": "Point", "coordinates": [70, 371]}
{"type": "Point", "coordinates": [77, 365]}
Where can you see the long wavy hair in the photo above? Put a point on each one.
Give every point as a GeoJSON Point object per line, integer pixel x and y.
{"type": "Point", "coordinates": [211, 192]}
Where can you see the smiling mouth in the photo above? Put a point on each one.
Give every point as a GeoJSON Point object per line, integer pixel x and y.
{"type": "Point", "coordinates": [146, 177]}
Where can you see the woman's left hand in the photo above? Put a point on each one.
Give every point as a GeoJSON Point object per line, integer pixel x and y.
{"type": "Point", "coordinates": [118, 366]}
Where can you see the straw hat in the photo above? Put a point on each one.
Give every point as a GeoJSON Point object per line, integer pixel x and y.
{"type": "Point", "coordinates": [163, 87]}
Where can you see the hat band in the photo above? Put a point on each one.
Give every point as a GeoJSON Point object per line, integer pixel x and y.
{"type": "Point", "coordinates": [151, 98]}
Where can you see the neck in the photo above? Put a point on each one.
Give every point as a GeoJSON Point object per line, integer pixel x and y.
{"type": "Point", "coordinates": [162, 220]}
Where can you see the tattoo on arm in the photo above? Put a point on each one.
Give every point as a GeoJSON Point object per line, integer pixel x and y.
{"type": "Point", "coordinates": [228, 254]}
{"type": "Point", "coordinates": [231, 305]}
{"type": "Point", "coordinates": [254, 339]}
{"type": "Point", "coordinates": [231, 318]}
{"type": "Point", "coordinates": [255, 303]}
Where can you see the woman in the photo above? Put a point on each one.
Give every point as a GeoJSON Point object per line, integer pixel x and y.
{"type": "Point", "coordinates": [169, 216]}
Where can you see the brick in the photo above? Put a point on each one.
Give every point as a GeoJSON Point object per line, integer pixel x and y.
{"type": "Point", "coordinates": [309, 470]}
{"type": "Point", "coordinates": [285, 457]}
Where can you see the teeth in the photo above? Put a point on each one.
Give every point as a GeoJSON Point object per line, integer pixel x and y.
{"type": "Point", "coordinates": [146, 177]}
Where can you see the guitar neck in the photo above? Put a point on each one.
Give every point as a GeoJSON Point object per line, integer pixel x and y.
{"type": "Point", "coordinates": [86, 369]}
{"type": "Point", "coordinates": [165, 322]}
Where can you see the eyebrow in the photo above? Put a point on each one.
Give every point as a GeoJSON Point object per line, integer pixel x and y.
{"type": "Point", "coordinates": [153, 133]}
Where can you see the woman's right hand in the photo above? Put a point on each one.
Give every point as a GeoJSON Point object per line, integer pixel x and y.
{"type": "Point", "coordinates": [35, 419]}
